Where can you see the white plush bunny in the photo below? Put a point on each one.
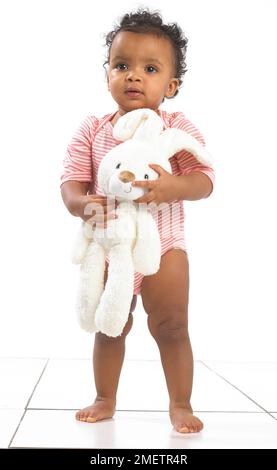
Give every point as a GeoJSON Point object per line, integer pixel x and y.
{"type": "Point", "coordinates": [132, 240]}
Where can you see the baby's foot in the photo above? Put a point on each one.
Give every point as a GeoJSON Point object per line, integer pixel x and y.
{"type": "Point", "coordinates": [183, 420]}
{"type": "Point", "coordinates": [102, 408]}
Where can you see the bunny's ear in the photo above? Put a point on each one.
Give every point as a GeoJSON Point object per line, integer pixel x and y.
{"type": "Point", "coordinates": [142, 124]}
{"type": "Point", "coordinates": [172, 141]}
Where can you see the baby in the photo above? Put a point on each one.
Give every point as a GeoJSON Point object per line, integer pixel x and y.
{"type": "Point", "coordinates": [146, 63]}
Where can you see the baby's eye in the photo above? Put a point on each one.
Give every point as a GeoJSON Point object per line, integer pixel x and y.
{"type": "Point", "coordinates": [121, 67]}
{"type": "Point", "coordinates": [118, 166]}
{"type": "Point", "coordinates": [146, 177]}
{"type": "Point", "coordinates": [151, 69]}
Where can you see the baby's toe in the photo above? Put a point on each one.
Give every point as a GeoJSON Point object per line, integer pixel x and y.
{"type": "Point", "coordinates": [91, 419]}
{"type": "Point", "coordinates": [184, 429]}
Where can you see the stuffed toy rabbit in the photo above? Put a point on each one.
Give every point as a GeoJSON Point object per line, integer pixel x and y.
{"type": "Point", "coordinates": [131, 241]}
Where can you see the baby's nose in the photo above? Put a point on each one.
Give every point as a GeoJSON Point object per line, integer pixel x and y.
{"type": "Point", "coordinates": [126, 176]}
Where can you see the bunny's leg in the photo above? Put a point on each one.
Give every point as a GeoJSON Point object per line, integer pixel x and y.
{"type": "Point", "coordinates": [80, 245]}
{"type": "Point", "coordinates": [91, 286]}
{"type": "Point", "coordinates": [113, 310]}
{"type": "Point", "coordinates": [147, 250]}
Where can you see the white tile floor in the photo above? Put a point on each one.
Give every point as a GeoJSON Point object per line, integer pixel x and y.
{"type": "Point", "coordinates": [38, 399]}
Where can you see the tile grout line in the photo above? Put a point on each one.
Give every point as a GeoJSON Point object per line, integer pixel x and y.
{"type": "Point", "coordinates": [28, 401]}
{"type": "Point", "coordinates": [236, 388]}
{"type": "Point", "coordinates": [152, 411]}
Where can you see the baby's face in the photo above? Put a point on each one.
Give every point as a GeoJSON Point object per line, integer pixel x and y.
{"type": "Point", "coordinates": [141, 71]}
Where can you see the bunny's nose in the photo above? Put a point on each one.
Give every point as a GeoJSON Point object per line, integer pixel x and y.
{"type": "Point", "coordinates": [126, 176]}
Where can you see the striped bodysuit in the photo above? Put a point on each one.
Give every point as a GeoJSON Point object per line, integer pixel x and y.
{"type": "Point", "coordinates": [94, 139]}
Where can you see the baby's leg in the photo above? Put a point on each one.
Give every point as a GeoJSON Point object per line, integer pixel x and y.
{"type": "Point", "coordinates": [165, 300]}
{"type": "Point", "coordinates": [108, 356]}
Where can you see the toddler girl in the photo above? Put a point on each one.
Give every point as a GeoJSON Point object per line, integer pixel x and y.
{"type": "Point", "coordinates": [146, 62]}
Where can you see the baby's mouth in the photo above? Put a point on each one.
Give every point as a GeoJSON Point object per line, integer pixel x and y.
{"type": "Point", "coordinates": [133, 92]}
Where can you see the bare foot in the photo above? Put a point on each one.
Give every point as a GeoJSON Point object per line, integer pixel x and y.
{"type": "Point", "coordinates": [183, 420]}
{"type": "Point", "coordinates": [102, 408]}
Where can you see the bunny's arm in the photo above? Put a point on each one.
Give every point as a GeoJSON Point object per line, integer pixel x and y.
{"type": "Point", "coordinates": [172, 141]}
{"type": "Point", "coordinates": [147, 249]}
{"type": "Point", "coordinates": [80, 246]}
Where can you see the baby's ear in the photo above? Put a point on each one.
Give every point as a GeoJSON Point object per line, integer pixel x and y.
{"type": "Point", "coordinates": [142, 124]}
{"type": "Point", "coordinates": [172, 141]}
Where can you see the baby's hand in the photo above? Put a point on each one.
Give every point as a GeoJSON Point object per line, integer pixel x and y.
{"type": "Point", "coordinates": [159, 190]}
{"type": "Point", "coordinates": [97, 210]}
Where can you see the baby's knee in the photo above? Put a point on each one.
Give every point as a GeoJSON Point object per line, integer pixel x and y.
{"type": "Point", "coordinates": [108, 340]}
{"type": "Point", "coordinates": [128, 326]}
{"type": "Point", "coordinates": [129, 323]}
{"type": "Point", "coordinates": [133, 303]}
{"type": "Point", "coordinates": [102, 338]}
{"type": "Point", "coordinates": [169, 328]}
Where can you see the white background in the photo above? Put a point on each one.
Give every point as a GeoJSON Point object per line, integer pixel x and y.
{"type": "Point", "coordinates": [51, 78]}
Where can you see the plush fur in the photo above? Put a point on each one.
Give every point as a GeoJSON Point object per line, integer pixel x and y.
{"type": "Point", "coordinates": [131, 241]}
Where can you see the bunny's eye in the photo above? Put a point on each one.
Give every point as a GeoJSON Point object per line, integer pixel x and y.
{"type": "Point", "coordinates": [146, 177]}
{"type": "Point", "coordinates": [118, 166]}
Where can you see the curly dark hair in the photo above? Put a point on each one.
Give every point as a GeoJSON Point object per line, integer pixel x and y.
{"type": "Point", "coordinates": [146, 22]}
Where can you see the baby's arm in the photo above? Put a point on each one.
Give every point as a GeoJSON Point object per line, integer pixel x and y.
{"type": "Point", "coordinates": [196, 180]}
{"type": "Point", "coordinates": [77, 174]}
{"type": "Point", "coordinates": [74, 195]}
{"type": "Point", "coordinates": [193, 186]}
{"type": "Point", "coordinates": [91, 208]}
